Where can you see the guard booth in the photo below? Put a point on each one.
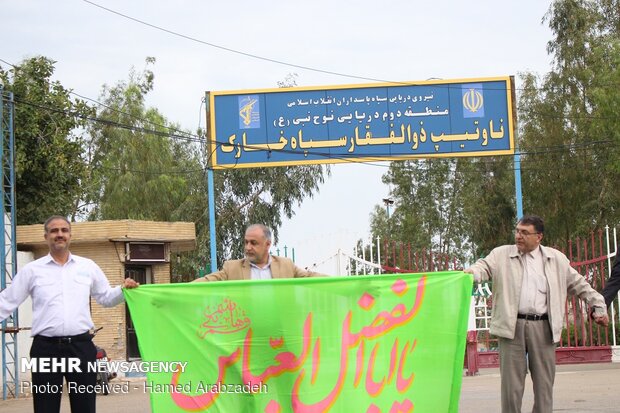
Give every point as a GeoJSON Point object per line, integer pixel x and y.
{"type": "Point", "coordinates": [124, 248]}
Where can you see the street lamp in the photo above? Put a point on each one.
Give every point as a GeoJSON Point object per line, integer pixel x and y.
{"type": "Point", "coordinates": [388, 202]}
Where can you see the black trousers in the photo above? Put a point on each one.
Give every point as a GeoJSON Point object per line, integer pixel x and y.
{"type": "Point", "coordinates": [47, 387]}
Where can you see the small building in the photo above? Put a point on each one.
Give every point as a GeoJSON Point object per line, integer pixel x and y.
{"type": "Point", "coordinates": [126, 248]}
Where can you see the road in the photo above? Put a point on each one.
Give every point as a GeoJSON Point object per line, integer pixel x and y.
{"type": "Point", "coordinates": [587, 388]}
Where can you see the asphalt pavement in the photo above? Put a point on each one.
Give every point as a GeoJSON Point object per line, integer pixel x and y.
{"type": "Point", "coordinates": [579, 388]}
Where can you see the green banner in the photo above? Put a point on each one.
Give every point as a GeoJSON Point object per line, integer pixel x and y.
{"type": "Point", "coordinates": [380, 343]}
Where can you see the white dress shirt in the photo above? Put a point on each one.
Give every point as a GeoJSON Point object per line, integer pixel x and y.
{"type": "Point", "coordinates": [533, 298]}
{"type": "Point", "coordinates": [257, 273]}
{"type": "Point", "coordinates": [60, 294]}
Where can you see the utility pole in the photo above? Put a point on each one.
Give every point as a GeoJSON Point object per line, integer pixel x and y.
{"type": "Point", "coordinates": [8, 252]}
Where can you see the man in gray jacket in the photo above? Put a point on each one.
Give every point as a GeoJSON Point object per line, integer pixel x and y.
{"type": "Point", "coordinates": [530, 285]}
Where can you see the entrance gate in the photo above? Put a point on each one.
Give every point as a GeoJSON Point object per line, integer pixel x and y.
{"type": "Point", "coordinates": [583, 341]}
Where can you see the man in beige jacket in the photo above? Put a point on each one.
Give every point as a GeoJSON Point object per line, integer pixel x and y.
{"type": "Point", "coordinates": [530, 286]}
{"type": "Point", "coordinates": [258, 264]}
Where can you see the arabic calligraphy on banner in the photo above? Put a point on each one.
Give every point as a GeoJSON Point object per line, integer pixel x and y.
{"type": "Point", "coordinates": [301, 126]}
{"type": "Point", "coordinates": [339, 344]}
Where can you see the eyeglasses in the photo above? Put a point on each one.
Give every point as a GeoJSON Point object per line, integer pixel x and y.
{"type": "Point", "coordinates": [524, 233]}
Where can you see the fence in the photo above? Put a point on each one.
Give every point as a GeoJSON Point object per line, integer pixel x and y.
{"type": "Point", "coordinates": [582, 340]}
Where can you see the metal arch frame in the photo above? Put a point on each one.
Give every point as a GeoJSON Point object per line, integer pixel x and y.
{"type": "Point", "coordinates": [8, 251]}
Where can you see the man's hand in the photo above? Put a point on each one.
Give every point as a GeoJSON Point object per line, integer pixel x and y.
{"type": "Point", "coordinates": [599, 315]}
{"type": "Point", "coordinates": [130, 283]}
{"type": "Point", "coordinates": [477, 277]}
{"type": "Point", "coordinates": [601, 319]}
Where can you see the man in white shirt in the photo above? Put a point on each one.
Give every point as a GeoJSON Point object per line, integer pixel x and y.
{"type": "Point", "coordinates": [61, 285]}
{"type": "Point", "coordinates": [530, 286]}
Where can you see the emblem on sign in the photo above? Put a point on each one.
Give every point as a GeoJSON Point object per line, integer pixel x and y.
{"type": "Point", "coordinates": [249, 113]}
{"type": "Point", "coordinates": [473, 100]}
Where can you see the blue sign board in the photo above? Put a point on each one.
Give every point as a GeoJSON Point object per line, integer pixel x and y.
{"type": "Point", "coordinates": [359, 123]}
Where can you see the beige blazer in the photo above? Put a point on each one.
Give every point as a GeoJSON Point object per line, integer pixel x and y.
{"type": "Point", "coordinates": [240, 270]}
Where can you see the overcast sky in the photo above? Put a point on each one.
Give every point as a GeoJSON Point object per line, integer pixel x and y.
{"type": "Point", "coordinates": [391, 40]}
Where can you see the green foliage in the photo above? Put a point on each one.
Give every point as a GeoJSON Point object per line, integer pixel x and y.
{"type": "Point", "coordinates": [569, 124]}
{"type": "Point", "coordinates": [138, 172]}
{"type": "Point", "coordinates": [243, 197]}
{"type": "Point", "coordinates": [488, 202]}
{"type": "Point", "coordinates": [49, 163]}
{"type": "Point", "coordinates": [457, 207]}
{"type": "Point", "coordinates": [423, 213]}
{"type": "Point", "coordinates": [579, 337]}
{"type": "Point", "coordinates": [380, 224]}
{"type": "Point", "coordinates": [134, 164]}
{"type": "Point", "coordinates": [569, 134]}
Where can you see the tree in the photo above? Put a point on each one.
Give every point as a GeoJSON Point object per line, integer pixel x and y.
{"type": "Point", "coordinates": [142, 169]}
{"type": "Point", "coordinates": [568, 133]}
{"type": "Point", "coordinates": [569, 122]}
{"type": "Point", "coordinates": [248, 196]}
{"type": "Point", "coordinates": [487, 200]}
{"type": "Point", "coordinates": [140, 164]}
{"type": "Point", "coordinates": [49, 163]}
{"type": "Point", "coordinates": [459, 207]}
{"type": "Point", "coordinates": [244, 197]}
{"type": "Point", "coordinates": [425, 214]}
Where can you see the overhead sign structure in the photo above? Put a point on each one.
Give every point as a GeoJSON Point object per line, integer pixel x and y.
{"type": "Point", "coordinates": [358, 123]}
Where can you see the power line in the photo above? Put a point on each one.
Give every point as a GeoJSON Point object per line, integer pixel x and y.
{"type": "Point", "coordinates": [351, 159]}
{"type": "Point", "coordinates": [555, 115]}
{"type": "Point", "coordinates": [141, 172]}
{"type": "Point", "coordinates": [187, 137]}
{"type": "Point", "coordinates": [121, 112]}
{"type": "Point", "coordinates": [258, 57]}
{"type": "Point", "coordinates": [194, 138]}
{"type": "Point", "coordinates": [191, 138]}
{"type": "Point", "coordinates": [228, 49]}
{"type": "Point", "coordinates": [136, 117]}
{"type": "Point", "coordinates": [255, 56]}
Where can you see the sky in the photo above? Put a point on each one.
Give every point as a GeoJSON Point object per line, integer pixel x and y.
{"type": "Point", "coordinates": [406, 40]}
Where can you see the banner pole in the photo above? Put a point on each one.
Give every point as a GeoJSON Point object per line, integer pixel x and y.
{"type": "Point", "coordinates": [518, 194]}
{"type": "Point", "coordinates": [210, 185]}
